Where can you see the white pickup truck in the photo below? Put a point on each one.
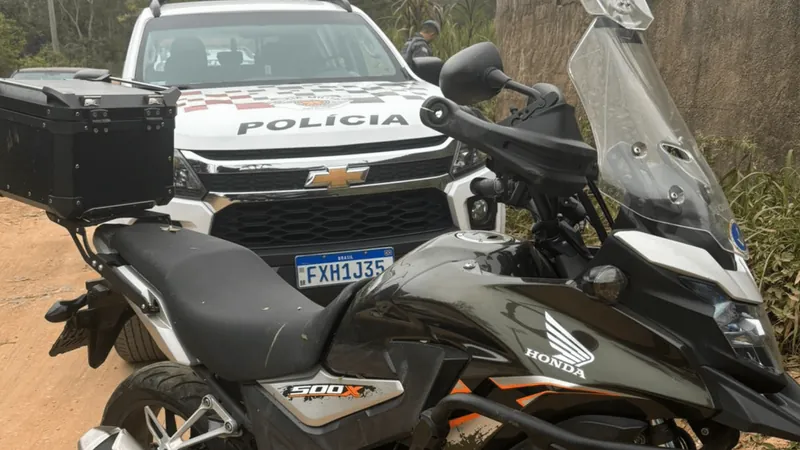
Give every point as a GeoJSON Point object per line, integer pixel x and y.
{"type": "Point", "coordinates": [298, 136]}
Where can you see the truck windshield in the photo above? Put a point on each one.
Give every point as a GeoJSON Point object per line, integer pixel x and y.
{"type": "Point", "coordinates": [270, 47]}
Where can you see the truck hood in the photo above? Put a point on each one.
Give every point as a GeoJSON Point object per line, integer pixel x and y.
{"type": "Point", "coordinates": [301, 116]}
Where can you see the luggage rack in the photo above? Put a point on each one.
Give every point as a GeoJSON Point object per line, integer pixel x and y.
{"type": "Point", "coordinates": [155, 5]}
{"type": "Point", "coordinates": [77, 230]}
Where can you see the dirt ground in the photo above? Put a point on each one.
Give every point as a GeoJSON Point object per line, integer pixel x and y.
{"type": "Point", "coordinates": [45, 403]}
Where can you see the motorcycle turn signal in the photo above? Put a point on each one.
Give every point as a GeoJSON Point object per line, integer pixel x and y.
{"type": "Point", "coordinates": [603, 283]}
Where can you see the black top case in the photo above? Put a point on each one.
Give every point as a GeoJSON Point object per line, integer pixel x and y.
{"type": "Point", "coordinates": [84, 150]}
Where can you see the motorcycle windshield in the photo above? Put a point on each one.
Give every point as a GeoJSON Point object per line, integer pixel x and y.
{"type": "Point", "coordinates": [648, 159]}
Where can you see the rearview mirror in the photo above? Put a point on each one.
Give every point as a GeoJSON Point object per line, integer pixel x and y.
{"type": "Point", "coordinates": [473, 75]}
{"type": "Point", "coordinates": [92, 75]}
{"type": "Point", "coordinates": [428, 68]}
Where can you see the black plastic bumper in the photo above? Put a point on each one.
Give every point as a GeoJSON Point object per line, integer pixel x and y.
{"type": "Point", "coordinates": [282, 259]}
{"type": "Point", "coordinates": [744, 409]}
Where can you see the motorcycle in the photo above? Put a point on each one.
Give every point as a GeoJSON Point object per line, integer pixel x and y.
{"type": "Point", "coordinates": [475, 339]}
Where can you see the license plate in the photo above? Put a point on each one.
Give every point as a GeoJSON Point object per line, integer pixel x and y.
{"type": "Point", "coordinates": [341, 268]}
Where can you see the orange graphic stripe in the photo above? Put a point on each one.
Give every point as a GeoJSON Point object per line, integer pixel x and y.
{"type": "Point", "coordinates": [463, 419]}
{"type": "Point", "coordinates": [460, 388]}
{"type": "Point", "coordinates": [520, 385]}
{"type": "Point", "coordinates": [555, 385]}
{"type": "Point", "coordinates": [525, 401]}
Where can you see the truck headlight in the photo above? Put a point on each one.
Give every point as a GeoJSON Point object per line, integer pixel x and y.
{"type": "Point", "coordinates": [466, 160]}
{"type": "Point", "coordinates": [745, 326]}
{"type": "Point", "coordinates": [187, 184]}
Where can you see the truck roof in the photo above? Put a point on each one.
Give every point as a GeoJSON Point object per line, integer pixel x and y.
{"type": "Point", "coordinates": [215, 6]}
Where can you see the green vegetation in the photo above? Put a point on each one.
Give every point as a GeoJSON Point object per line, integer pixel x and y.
{"type": "Point", "coordinates": [91, 33]}
{"type": "Point", "coordinates": [766, 205]}
{"type": "Point", "coordinates": [463, 24]}
{"type": "Point", "coordinates": [11, 43]}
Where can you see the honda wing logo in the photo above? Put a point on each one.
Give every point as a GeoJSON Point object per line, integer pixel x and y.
{"type": "Point", "coordinates": [571, 351]}
{"type": "Point", "coordinates": [336, 177]}
{"type": "Point", "coordinates": [570, 354]}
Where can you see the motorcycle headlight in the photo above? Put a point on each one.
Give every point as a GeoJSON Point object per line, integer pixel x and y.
{"type": "Point", "coordinates": [466, 160]}
{"type": "Point", "coordinates": [187, 184]}
{"type": "Point", "coordinates": [745, 326]}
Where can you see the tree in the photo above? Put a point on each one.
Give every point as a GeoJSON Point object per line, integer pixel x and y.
{"type": "Point", "coordinates": [12, 41]}
{"type": "Point", "coordinates": [51, 13]}
{"type": "Point", "coordinates": [46, 57]}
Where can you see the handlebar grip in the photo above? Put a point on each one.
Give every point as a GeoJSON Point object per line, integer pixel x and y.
{"type": "Point", "coordinates": [486, 187]}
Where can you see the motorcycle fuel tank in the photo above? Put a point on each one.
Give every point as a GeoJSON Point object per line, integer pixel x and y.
{"type": "Point", "coordinates": [486, 294]}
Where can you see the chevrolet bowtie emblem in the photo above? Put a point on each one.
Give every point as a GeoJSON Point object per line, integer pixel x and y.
{"type": "Point", "coordinates": [336, 177]}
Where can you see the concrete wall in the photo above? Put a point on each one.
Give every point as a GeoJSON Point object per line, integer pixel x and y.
{"type": "Point", "coordinates": [733, 67]}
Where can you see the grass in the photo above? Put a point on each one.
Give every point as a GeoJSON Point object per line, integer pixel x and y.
{"type": "Point", "coordinates": [766, 205]}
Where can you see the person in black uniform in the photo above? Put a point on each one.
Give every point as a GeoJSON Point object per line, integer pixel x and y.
{"type": "Point", "coordinates": [419, 44]}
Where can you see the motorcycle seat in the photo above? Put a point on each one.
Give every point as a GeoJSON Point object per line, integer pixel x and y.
{"type": "Point", "coordinates": [227, 306]}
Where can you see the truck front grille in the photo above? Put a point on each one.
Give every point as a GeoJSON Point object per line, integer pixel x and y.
{"type": "Point", "coordinates": [287, 180]}
{"type": "Point", "coordinates": [329, 220]}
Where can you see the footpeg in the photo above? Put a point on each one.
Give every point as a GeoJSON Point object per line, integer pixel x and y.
{"type": "Point", "coordinates": [228, 428]}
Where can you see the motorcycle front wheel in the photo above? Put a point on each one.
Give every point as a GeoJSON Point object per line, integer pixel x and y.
{"type": "Point", "coordinates": [173, 392]}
